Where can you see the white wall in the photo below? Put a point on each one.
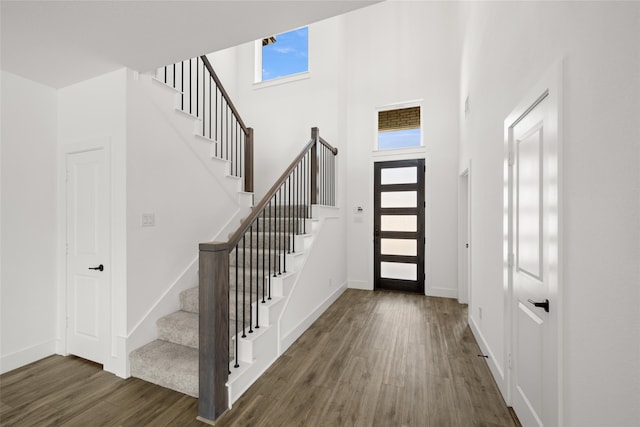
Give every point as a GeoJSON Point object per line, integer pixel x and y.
{"type": "Point", "coordinates": [92, 109]}
{"type": "Point", "coordinates": [171, 175]}
{"type": "Point", "coordinates": [29, 257]}
{"type": "Point", "coordinates": [282, 115]}
{"type": "Point", "coordinates": [398, 52]}
{"type": "Point", "coordinates": [321, 280]}
{"type": "Point", "coordinates": [507, 48]}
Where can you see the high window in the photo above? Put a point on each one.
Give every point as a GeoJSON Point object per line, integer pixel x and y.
{"type": "Point", "coordinates": [399, 128]}
{"type": "Point", "coordinates": [283, 55]}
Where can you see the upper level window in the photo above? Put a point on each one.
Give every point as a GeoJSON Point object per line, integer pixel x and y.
{"type": "Point", "coordinates": [399, 128]}
{"type": "Point", "coordinates": [283, 55]}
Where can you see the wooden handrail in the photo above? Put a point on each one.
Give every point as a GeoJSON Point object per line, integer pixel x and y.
{"type": "Point", "coordinates": [214, 267]}
{"type": "Point", "coordinates": [257, 210]}
{"type": "Point", "coordinates": [224, 93]}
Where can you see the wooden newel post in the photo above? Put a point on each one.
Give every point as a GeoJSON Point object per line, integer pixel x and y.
{"type": "Point", "coordinates": [248, 162]}
{"type": "Point", "coordinates": [315, 135]}
{"type": "Point", "coordinates": [213, 331]}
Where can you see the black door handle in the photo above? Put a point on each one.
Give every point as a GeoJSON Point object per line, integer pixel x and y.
{"type": "Point", "coordinates": [99, 268]}
{"type": "Point", "coordinates": [544, 304]}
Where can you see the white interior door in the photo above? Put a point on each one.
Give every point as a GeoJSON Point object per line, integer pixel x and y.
{"type": "Point", "coordinates": [534, 239]}
{"type": "Point", "coordinates": [88, 278]}
{"type": "Point", "coordinates": [463, 238]}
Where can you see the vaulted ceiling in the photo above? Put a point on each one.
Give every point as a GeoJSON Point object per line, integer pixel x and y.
{"type": "Point", "coordinates": [59, 43]}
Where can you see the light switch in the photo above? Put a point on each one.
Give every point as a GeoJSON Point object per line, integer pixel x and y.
{"type": "Point", "coordinates": [148, 220]}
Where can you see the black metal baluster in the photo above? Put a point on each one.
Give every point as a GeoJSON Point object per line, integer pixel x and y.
{"type": "Point", "coordinates": [270, 239]}
{"type": "Point", "coordinates": [226, 134]}
{"type": "Point", "coordinates": [197, 88]}
{"type": "Point", "coordinates": [257, 273]}
{"type": "Point", "coordinates": [236, 316]}
{"type": "Point", "coordinates": [250, 278]}
{"type": "Point", "coordinates": [215, 129]}
{"type": "Point", "coordinates": [294, 220]}
{"type": "Point", "coordinates": [210, 113]}
{"type": "Point", "coordinates": [244, 293]}
{"type": "Point", "coordinates": [165, 74]}
{"type": "Point", "coordinates": [190, 86]}
{"type": "Point", "coordinates": [174, 76]}
{"type": "Point", "coordinates": [204, 109]}
{"type": "Point", "coordinates": [279, 230]}
{"type": "Point", "coordinates": [264, 237]}
{"type": "Point", "coordinates": [182, 86]}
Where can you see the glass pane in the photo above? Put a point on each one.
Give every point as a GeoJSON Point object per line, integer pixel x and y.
{"type": "Point", "coordinates": [407, 247]}
{"type": "Point", "coordinates": [399, 223]}
{"type": "Point", "coordinates": [398, 139]}
{"type": "Point", "coordinates": [399, 199]}
{"type": "Point", "coordinates": [397, 270]}
{"type": "Point", "coordinates": [406, 175]}
{"type": "Point", "coordinates": [287, 55]}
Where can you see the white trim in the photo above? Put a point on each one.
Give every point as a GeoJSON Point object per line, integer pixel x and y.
{"type": "Point", "coordinates": [295, 333]}
{"type": "Point", "coordinates": [407, 154]}
{"type": "Point", "coordinates": [496, 370]}
{"type": "Point", "coordinates": [27, 355]}
{"type": "Point", "coordinates": [80, 146]}
{"type": "Point", "coordinates": [551, 82]}
{"type": "Point", "coordinates": [282, 80]}
{"type": "Point", "coordinates": [441, 292]}
{"type": "Point", "coordinates": [464, 295]}
{"type": "Point", "coordinates": [397, 106]}
{"type": "Point", "coordinates": [258, 83]}
{"type": "Point", "coordinates": [360, 284]}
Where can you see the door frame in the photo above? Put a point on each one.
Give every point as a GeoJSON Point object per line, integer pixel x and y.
{"type": "Point", "coordinates": [421, 232]}
{"type": "Point", "coordinates": [93, 144]}
{"type": "Point", "coordinates": [464, 222]}
{"type": "Point", "coordinates": [551, 82]}
{"type": "Point", "coordinates": [391, 155]}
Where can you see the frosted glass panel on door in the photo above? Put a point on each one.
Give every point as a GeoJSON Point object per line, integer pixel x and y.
{"type": "Point", "coordinates": [397, 270]}
{"type": "Point", "coordinates": [398, 222]}
{"type": "Point", "coordinates": [407, 175]}
{"type": "Point", "coordinates": [399, 199]}
{"type": "Point", "coordinates": [406, 247]}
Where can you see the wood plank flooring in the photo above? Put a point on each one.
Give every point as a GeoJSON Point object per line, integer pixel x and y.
{"type": "Point", "coordinates": [372, 359]}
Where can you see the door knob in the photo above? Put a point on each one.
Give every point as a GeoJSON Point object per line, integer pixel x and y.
{"type": "Point", "coordinates": [544, 304]}
{"type": "Point", "coordinates": [99, 268]}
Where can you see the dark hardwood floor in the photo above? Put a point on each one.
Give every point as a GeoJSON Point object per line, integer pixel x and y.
{"type": "Point", "coordinates": [372, 359]}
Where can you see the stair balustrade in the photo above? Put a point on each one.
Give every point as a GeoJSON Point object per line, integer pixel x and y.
{"type": "Point", "coordinates": [204, 96]}
{"type": "Point", "coordinates": [254, 255]}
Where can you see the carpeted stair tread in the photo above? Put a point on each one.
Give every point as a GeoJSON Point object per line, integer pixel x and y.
{"type": "Point", "coordinates": [180, 327]}
{"type": "Point", "coordinates": [167, 364]}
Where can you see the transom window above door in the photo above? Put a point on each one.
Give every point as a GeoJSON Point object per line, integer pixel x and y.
{"type": "Point", "coordinates": [399, 128]}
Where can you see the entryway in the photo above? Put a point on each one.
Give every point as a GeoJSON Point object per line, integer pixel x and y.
{"type": "Point", "coordinates": [399, 225]}
{"type": "Point", "coordinates": [87, 252]}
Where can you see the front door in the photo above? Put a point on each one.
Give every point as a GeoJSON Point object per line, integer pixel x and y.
{"type": "Point", "coordinates": [399, 237]}
{"type": "Point", "coordinates": [533, 145]}
{"type": "Point", "coordinates": [87, 253]}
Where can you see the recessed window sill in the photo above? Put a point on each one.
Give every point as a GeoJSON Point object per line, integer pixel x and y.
{"type": "Point", "coordinates": [407, 150]}
{"type": "Point", "coordinates": [282, 80]}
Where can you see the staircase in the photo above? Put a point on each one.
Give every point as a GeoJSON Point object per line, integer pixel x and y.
{"type": "Point", "coordinates": [246, 283]}
{"type": "Point", "coordinates": [171, 361]}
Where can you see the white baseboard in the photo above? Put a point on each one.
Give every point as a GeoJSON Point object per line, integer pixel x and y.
{"type": "Point", "coordinates": [360, 284]}
{"type": "Point", "coordinates": [296, 332]}
{"type": "Point", "coordinates": [442, 293]}
{"type": "Point", "coordinates": [496, 370]}
{"type": "Point", "coordinates": [23, 357]}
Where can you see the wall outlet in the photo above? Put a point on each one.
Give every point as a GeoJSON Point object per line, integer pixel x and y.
{"type": "Point", "coordinates": [148, 220]}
